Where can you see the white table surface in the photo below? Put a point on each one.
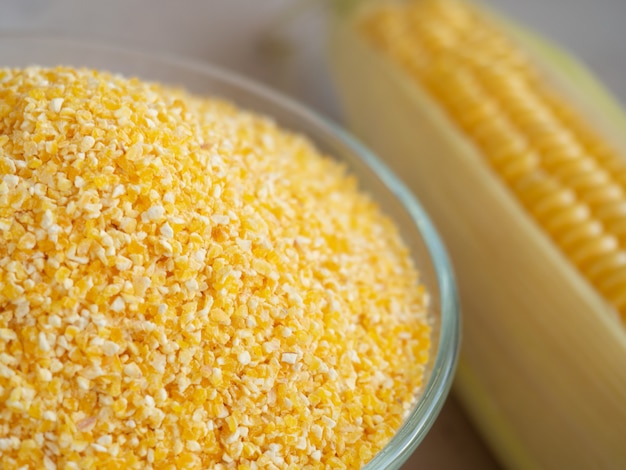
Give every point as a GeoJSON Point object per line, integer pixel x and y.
{"type": "Point", "coordinates": [230, 32]}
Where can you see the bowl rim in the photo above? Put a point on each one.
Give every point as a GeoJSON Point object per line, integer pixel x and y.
{"type": "Point", "coordinates": [436, 389]}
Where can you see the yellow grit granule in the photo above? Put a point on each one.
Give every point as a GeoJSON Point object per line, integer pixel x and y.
{"type": "Point", "coordinates": [185, 285]}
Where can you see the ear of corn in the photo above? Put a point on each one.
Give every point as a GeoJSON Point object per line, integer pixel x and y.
{"type": "Point", "coordinates": [515, 152]}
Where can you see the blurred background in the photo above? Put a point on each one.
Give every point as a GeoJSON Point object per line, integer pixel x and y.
{"type": "Point", "coordinates": [234, 34]}
{"type": "Point", "coordinates": [282, 44]}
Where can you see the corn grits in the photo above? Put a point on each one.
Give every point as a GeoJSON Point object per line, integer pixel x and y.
{"type": "Point", "coordinates": [183, 284]}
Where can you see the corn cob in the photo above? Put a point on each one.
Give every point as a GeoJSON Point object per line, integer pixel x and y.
{"type": "Point", "coordinates": [515, 152]}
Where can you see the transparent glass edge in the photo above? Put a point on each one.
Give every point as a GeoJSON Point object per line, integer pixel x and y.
{"type": "Point", "coordinates": [435, 392]}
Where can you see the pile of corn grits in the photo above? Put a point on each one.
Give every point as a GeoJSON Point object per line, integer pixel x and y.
{"type": "Point", "coordinates": [183, 284]}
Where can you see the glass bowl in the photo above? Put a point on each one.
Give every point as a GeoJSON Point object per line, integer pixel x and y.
{"type": "Point", "coordinates": [374, 177]}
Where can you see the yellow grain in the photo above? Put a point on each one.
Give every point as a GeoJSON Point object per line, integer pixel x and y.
{"type": "Point", "coordinates": [185, 285]}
